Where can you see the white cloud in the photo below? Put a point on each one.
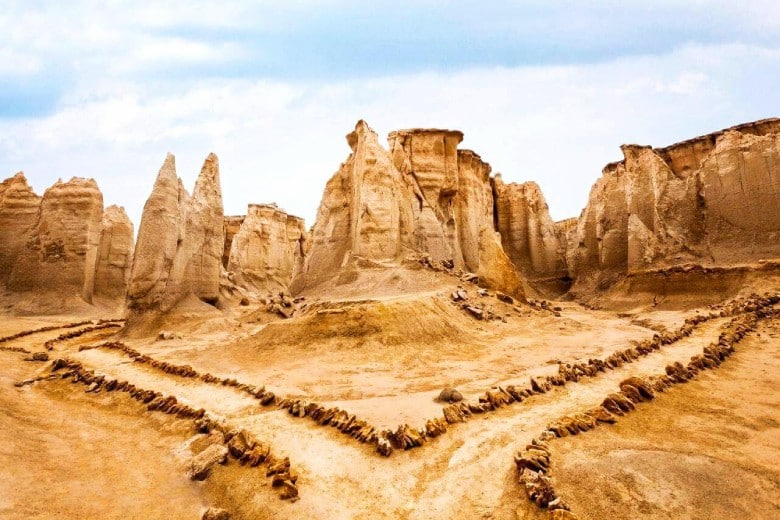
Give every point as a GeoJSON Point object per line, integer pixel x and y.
{"type": "Point", "coordinates": [281, 141]}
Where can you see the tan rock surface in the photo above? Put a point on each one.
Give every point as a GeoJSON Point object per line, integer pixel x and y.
{"type": "Point", "coordinates": [529, 236]}
{"type": "Point", "coordinates": [267, 249]}
{"type": "Point", "coordinates": [423, 197]}
{"type": "Point", "coordinates": [19, 207]}
{"type": "Point", "coordinates": [694, 201]}
{"type": "Point", "coordinates": [232, 225]}
{"type": "Point", "coordinates": [60, 253]}
{"type": "Point", "coordinates": [115, 253]}
{"type": "Point", "coordinates": [180, 241]}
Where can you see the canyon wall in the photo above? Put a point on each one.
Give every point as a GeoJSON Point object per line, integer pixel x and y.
{"type": "Point", "coordinates": [60, 252]}
{"type": "Point", "coordinates": [713, 200]}
{"type": "Point", "coordinates": [180, 241]}
{"type": "Point", "coordinates": [529, 236]}
{"type": "Point", "coordinates": [115, 253]}
{"type": "Point", "coordinates": [268, 249]}
{"type": "Point", "coordinates": [62, 245]}
{"type": "Point", "coordinates": [19, 207]}
{"type": "Point", "coordinates": [232, 224]}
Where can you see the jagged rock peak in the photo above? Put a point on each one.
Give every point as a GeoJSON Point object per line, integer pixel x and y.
{"type": "Point", "coordinates": [180, 241]}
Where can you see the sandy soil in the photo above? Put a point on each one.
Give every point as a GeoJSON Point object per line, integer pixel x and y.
{"type": "Point", "coordinates": [75, 455]}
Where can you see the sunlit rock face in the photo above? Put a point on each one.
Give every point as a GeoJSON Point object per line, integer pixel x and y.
{"type": "Point", "coordinates": [712, 200]}
{"type": "Point", "coordinates": [180, 241]}
{"type": "Point", "coordinates": [267, 249]}
{"type": "Point", "coordinates": [60, 250]}
{"type": "Point", "coordinates": [531, 239]}
{"type": "Point", "coordinates": [115, 253]}
{"type": "Point", "coordinates": [421, 197]}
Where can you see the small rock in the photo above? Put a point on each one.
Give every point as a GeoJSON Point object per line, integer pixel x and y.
{"type": "Point", "coordinates": [40, 356]}
{"type": "Point", "coordinates": [166, 335]}
{"type": "Point", "coordinates": [476, 312]}
{"type": "Point", "coordinates": [215, 513]}
{"type": "Point", "coordinates": [244, 301]}
{"type": "Point", "coordinates": [200, 465]}
{"type": "Point", "coordinates": [449, 395]}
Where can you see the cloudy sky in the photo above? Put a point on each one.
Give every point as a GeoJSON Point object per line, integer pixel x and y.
{"type": "Point", "coordinates": [543, 90]}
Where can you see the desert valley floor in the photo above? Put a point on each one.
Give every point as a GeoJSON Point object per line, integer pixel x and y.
{"type": "Point", "coordinates": [709, 448]}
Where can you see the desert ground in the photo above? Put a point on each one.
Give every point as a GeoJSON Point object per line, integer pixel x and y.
{"type": "Point", "coordinates": [706, 449]}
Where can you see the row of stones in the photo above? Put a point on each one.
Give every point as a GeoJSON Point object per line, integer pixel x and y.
{"type": "Point", "coordinates": [238, 443]}
{"type": "Point", "coordinates": [49, 328]}
{"type": "Point", "coordinates": [49, 345]}
{"type": "Point", "coordinates": [533, 462]}
{"type": "Point", "coordinates": [406, 437]}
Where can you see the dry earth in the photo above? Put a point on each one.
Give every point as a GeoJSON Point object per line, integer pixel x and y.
{"type": "Point", "coordinates": [707, 449]}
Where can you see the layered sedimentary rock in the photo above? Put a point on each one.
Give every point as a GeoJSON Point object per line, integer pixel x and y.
{"type": "Point", "coordinates": [267, 249]}
{"type": "Point", "coordinates": [60, 251]}
{"type": "Point", "coordinates": [423, 197]}
{"type": "Point", "coordinates": [180, 241]}
{"type": "Point", "coordinates": [529, 236]}
{"type": "Point", "coordinates": [115, 253]}
{"type": "Point", "coordinates": [711, 200]}
{"type": "Point", "coordinates": [232, 225]}
{"type": "Point", "coordinates": [19, 207]}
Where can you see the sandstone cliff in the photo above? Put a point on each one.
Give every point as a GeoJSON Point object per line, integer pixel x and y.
{"type": "Point", "coordinates": [423, 197]}
{"type": "Point", "coordinates": [712, 200]}
{"type": "Point", "coordinates": [232, 224]}
{"type": "Point", "coordinates": [19, 207]}
{"type": "Point", "coordinates": [529, 236]}
{"type": "Point", "coordinates": [115, 253]}
{"type": "Point", "coordinates": [60, 252]}
{"type": "Point", "coordinates": [180, 241]}
{"type": "Point", "coordinates": [267, 249]}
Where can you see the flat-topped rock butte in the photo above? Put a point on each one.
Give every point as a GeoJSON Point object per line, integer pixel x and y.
{"type": "Point", "coordinates": [435, 345]}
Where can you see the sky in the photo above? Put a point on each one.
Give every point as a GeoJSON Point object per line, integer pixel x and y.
{"type": "Point", "coordinates": [543, 90]}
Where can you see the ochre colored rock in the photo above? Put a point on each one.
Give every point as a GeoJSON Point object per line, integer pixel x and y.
{"type": "Point", "coordinates": [19, 207]}
{"type": "Point", "coordinates": [115, 253]}
{"type": "Point", "coordinates": [424, 197]}
{"type": "Point", "coordinates": [232, 224]}
{"type": "Point", "coordinates": [528, 234]}
{"type": "Point", "coordinates": [268, 248]}
{"type": "Point", "coordinates": [180, 241]}
{"type": "Point", "coordinates": [690, 203]}
{"type": "Point", "coordinates": [60, 252]}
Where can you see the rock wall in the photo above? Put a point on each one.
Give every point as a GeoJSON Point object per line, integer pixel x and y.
{"type": "Point", "coordinates": [232, 225]}
{"type": "Point", "coordinates": [267, 249]}
{"type": "Point", "coordinates": [19, 207]}
{"type": "Point", "coordinates": [529, 236]}
{"type": "Point", "coordinates": [60, 252]}
{"type": "Point", "coordinates": [180, 241]}
{"type": "Point", "coordinates": [422, 197]}
{"type": "Point", "coordinates": [695, 201]}
{"type": "Point", "coordinates": [115, 253]}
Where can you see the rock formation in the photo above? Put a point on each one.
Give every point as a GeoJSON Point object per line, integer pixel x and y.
{"type": "Point", "coordinates": [530, 238]}
{"type": "Point", "coordinates": [232, 225]}
{"type": "Point", "coordinates": [60, 252]}
{"type": "Point", "coordinates": [19, 207]}
{"type": "Point", "coordinates": [180, 241]}
{"type": "Point", "coordinates": [115, 253]}
{"type": "Point", "coordinates": [268, 248]}
{"type": "Point", "coordinates": [712, 200]}
{"type": "Point", "coordinates": [423, 197]}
